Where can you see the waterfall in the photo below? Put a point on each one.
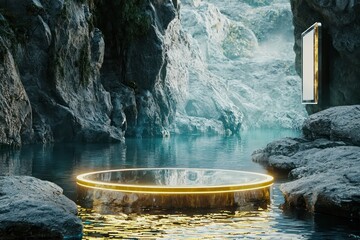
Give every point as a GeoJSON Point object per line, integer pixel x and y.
{"type": "Point", "coordinates": [231, 66]}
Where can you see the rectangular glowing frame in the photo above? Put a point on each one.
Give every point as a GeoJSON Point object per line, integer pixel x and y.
{"type": "Point", "coordinates": [311, 64]}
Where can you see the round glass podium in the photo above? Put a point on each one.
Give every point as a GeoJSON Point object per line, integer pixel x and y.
{"type": "Point", "coordinates": [147, 189]}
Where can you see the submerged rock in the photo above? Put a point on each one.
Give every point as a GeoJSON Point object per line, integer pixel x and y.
{"type": "Point", "coordinates": [33, 208]}
{"type": "Point", "coordinates": [325, 163]}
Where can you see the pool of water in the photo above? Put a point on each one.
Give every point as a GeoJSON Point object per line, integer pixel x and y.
{"type": "Point", "coordinates": [61, 163]}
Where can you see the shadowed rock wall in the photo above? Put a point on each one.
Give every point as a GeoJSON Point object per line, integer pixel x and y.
{"type": "Point", "coordinates": [341, 24]}
{"type": "Point", "coordinates": [15, 109]}
{"type": "Point", "coordinates": [134, 68]}
{"type": "Point", "coordinates": [52, 54]}
{"type": "Point", "coordinates": [59, 55]}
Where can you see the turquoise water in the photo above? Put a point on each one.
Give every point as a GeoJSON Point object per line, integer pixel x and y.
{"type": "Point", "coordinates": [61, 163]}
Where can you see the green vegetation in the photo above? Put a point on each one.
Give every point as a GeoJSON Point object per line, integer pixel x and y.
{"type": "Point", "coordinates": [59, 65]}
{"type": "Point", "coordinates": [133, 18]}
{"type": "Point", "coordinates": [84, 64]}
{"type": "Point", "coordinates": [121, 21]}
{"type": "Point", "coordinates": [239, 42]}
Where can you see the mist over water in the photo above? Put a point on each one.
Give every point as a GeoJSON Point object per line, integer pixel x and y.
{"type": "Point", "coordinates": [231, 66]}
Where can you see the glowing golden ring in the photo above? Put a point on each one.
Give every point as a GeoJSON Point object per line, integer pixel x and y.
{"type": "Point", "coordinates": [82, 181]}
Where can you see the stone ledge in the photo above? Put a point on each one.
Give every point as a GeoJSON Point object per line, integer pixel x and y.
{"type": "Point", "coordinates": [325, 165]}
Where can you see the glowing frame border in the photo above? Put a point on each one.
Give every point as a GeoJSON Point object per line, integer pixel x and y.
{"type": "Point", "coordinates": [146, 189]}
{"type": "Point", "coordinates": [317, 62]}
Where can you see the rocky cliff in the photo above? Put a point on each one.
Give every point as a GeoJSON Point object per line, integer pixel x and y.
{"type": "Point", "coordinates": [64, 79]}
{"type": "Point", "coordinates": [135, 63]}
{"type": "Point", "coordinates": [340, 21]}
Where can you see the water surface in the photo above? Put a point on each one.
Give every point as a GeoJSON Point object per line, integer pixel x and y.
{"type": "Point", "coordinates": [61, 163]}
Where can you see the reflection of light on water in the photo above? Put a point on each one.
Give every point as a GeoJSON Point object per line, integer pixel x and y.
{"type": "Point", "coordinates": [172, 188]}
{"type": "Point", "coordinates": [219, 225]}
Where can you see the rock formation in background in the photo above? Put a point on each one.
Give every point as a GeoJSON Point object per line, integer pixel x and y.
{"type": "Point", "coordinates": [134, 68]}
{"type": "Point", "coordinates": [51, 57]}
{"type": "Point", "coordinates": [340, 21]}
{"type": "Point", "coordinates": [231, 67]}
{"type": "Point", "coordinates": [59, 55]}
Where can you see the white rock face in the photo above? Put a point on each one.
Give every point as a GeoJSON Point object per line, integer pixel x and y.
{"type": "Point", "coordinates": [231, 62]}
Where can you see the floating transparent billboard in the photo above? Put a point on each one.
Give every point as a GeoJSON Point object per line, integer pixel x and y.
{"type": "Point", "coordinates": [311, 64]}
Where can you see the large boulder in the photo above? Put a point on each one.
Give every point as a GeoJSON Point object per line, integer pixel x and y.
{"type": "Point", "coordinates": [336, 124]}
{"type": "Point", "coordinates": [36, 209]}
{"type": "Point", "coordinates": [340, 20]}
{"type": "Point", "coordinates": [328, 181]}
{"type": "Point", "coordinates": [324, 163]}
